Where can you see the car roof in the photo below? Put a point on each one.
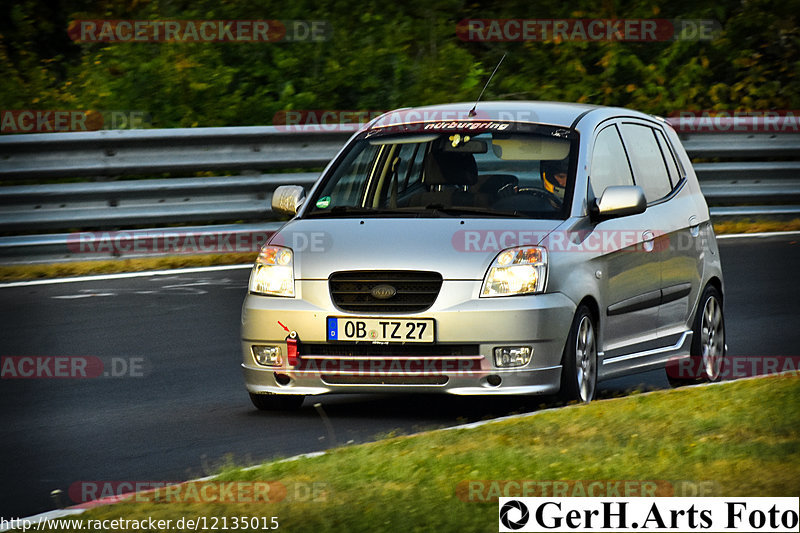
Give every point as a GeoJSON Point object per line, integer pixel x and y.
{"type": "Point", "coordinates": [559, 114]}
{"type": "Point", "coordinates": [552, 113]}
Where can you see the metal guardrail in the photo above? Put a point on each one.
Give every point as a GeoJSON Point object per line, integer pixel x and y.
{"type": "Point", "coordinates": [752, 174]}
{"type": "Point", "coordinates": [145, 152]}
{"type": "Point", "coordinates": [743, 179]}
{"type": "Point", "coordinates": [143, 202]}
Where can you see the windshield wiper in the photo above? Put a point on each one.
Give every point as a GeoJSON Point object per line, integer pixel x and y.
{"type": "Point", "coordinates": [430, 209]}
{"type": "Point", "coordinates": [468, 210]}
{"type": "Point", "coordinates": [351, 210]}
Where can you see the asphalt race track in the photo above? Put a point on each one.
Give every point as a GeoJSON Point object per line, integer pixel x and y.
{"type": "Point", "coordinates": [179, 406]}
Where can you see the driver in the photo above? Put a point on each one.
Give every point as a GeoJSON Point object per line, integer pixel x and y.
{"type": "Point", "coordinates": [554, 178]}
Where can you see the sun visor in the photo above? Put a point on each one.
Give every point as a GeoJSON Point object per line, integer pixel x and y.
{"type": "Point", "coordinates": [473, 146]}
{"type": "Point", "coordinates": [402, 139]}
{"type": "Point", "coordinates": [530, 148]}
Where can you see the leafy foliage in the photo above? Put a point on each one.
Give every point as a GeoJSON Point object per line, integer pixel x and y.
{"type": "Point", "coordinates": [387, 55]}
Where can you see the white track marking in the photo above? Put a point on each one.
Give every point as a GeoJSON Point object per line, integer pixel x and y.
{"type": "Point", "coordinates": [761, 234]}
{"type": "Point", "coordinates": [123, 275]}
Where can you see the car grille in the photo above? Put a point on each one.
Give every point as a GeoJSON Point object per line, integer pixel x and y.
{"type": "Point", "coordinates": [415, 291]}
{"type": "Point", "coordinates": [384, 380]}
{"type": "Point", "coordinates": [389, 364]}
{"type": "Point", "coordinates": [389, 350]}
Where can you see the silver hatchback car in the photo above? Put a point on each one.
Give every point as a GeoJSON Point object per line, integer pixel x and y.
{"type": "Point", "coordinates": [516, 248]}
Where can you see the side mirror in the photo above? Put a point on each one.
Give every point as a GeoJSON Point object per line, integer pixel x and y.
{"type": "Point", "coordinates": [287, 199]}
{"type": "Point", "coordinates": [619, 201]}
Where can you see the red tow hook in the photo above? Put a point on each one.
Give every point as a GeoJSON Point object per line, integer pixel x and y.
{"type": "Point", "coordinates": [292, 346]}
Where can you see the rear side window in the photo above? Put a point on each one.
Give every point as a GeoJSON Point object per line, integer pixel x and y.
{"type": "Point", "coordinates": [609, 162]}
{"type": "Point", "coordinates": [649, 168]}
{"type": "Point", "coordinates": [405, 172]}
{"type": "Point", "coordinates": [669, 158]}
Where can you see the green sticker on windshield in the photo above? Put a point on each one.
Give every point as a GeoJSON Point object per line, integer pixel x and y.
{"type": "Point", "coordinates": [324, 202]}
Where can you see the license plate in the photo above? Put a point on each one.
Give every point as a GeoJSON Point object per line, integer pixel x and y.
{"type": "Point", "coordinates": [380, 329]}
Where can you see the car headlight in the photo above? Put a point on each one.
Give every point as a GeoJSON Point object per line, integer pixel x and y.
{"type": "Point", "coordinates": [520, 270]}
{"type": "Point", "coordinates": [273, 272]}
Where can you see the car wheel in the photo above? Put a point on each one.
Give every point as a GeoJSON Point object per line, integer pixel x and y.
{"type": "Point", "coordinates": [579, 365]}
{"type": "Point", "coordinates": [276, 402]}
{"type": "Point", "coordinates": [708, 343]}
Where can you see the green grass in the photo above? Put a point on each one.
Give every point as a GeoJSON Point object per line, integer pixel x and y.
{"type": "Point", "coordinates": [742, 438]}
{"type": "Point", "coordinates": [746, 225]}
{"type": "Point", "coordinates": [82, 268]}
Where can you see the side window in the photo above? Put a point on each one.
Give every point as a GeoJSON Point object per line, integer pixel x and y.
{"type": "Point", "coordinates": [609, 162]}
{"type": "Point", "coordinates": [349, 189]}
{"type": "Point", "coordinates": [669, 158]}
{"type": "Point", "coordinates": [402, 175]}
{"type": "Point", "coordinates": [647, 160]}
{"type": "Point", "coordinates": [410, 170]}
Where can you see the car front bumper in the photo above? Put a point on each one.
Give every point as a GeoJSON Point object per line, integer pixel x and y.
{"type": "Point", "coordinates": [464, 322]}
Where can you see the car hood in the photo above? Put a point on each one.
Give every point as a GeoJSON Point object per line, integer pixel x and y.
{"type": "Point", "coordinates": [456, 248]}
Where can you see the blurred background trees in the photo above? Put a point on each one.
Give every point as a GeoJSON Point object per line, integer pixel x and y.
{"type": "Point", "coordinates": [383, 55]}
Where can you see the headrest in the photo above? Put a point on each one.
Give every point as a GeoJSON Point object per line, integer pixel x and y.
{"type": "Point", "coordinates": [450, 168]}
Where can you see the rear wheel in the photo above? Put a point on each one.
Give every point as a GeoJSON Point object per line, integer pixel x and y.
{"type": "Point", "coordinates": [708, 343]}
{"type": "Point", "coordinates": [276, 402]}
{"type": "Point", "coordinates": [579, 368]}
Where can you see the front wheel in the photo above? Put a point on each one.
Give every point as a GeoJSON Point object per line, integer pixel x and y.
{"type": "Point", "coordinates": [708, 344]}
{"type": "Point", "coordinates": [579, 368]}
{"type": "Point", "coordinates": [276, 402]}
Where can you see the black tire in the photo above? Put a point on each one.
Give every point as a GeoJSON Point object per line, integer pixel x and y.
{"type": "Point", "coordinates": [277, 402]}
{"type": "Point", "coordinates": [708, 344]}
{"type": "Point", "coordinates": [579, 380]}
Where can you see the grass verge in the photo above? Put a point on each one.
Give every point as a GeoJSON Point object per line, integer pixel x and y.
{"type": "Point", "coordinates": [746, 225]}
{"type": "Point", "coordinates": [742, 437]}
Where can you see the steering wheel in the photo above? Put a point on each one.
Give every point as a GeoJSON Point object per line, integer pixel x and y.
{"type": "Point", "coordinates": [539, 193]}
{"type": "Point", "coordinates": [542, 195]}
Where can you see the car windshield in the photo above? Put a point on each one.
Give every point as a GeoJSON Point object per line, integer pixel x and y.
{"type": "Point", "coordinates": [453, 173]}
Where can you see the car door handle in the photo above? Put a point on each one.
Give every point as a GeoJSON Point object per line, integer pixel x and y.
{"type": "Point", "coordinates": [694, 227]}
{"type": "Point", "coordinates": [648, 244]}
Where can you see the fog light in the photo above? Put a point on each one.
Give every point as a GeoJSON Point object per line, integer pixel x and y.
{"type": "Point", "coordinates": [508, 356]}
{"type": "Point", "coordinates": [282, 379]}
{"type": "Point", "coordinates": [267, 355]}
